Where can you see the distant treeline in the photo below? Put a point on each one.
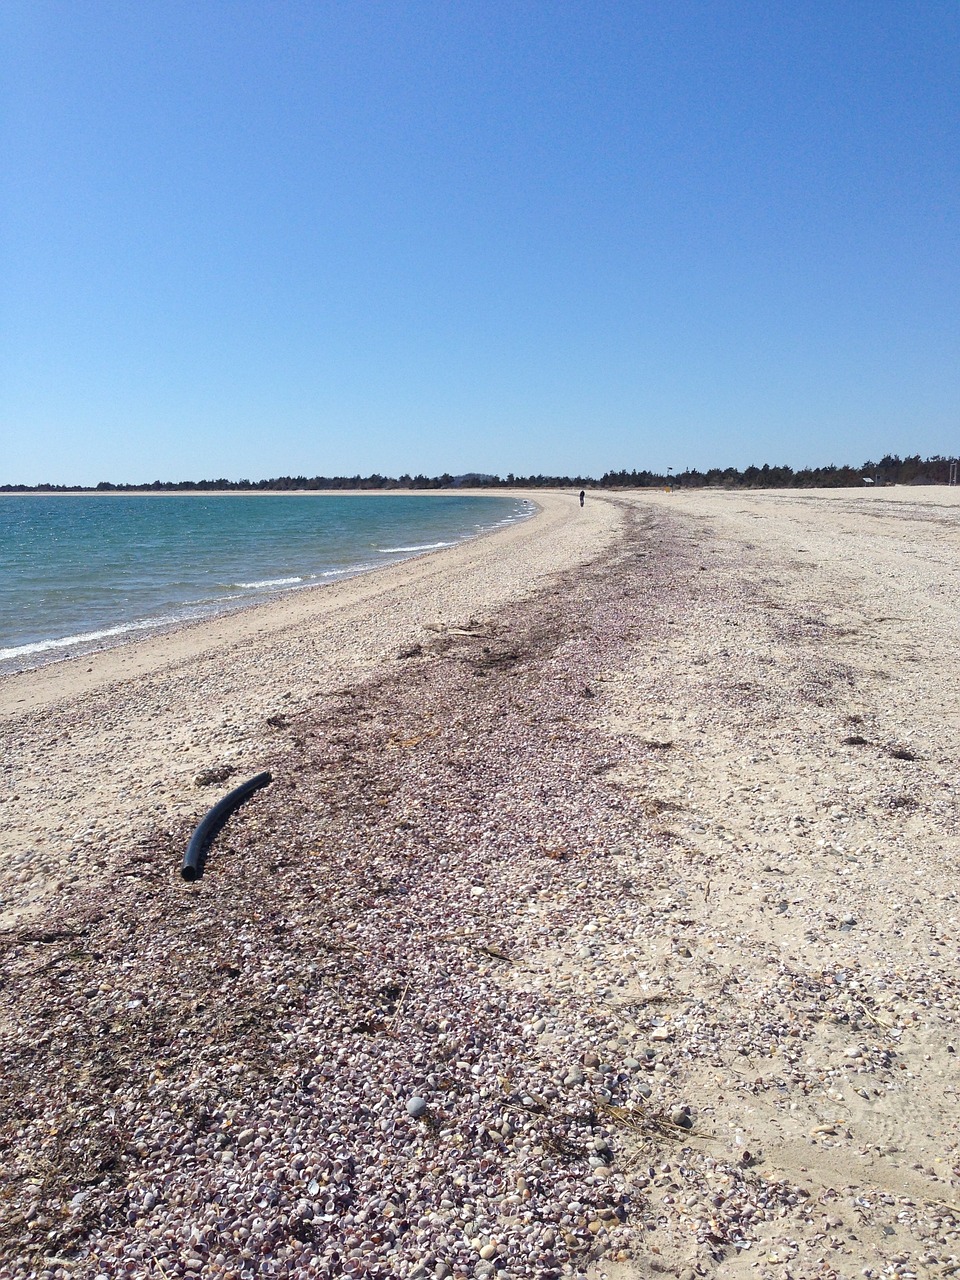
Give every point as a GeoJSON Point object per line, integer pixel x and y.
{"type": "Point", "coordinates": [889, 470]}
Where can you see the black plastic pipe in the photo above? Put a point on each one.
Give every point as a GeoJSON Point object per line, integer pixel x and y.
{"type": "Point", "coordinates": [213, 822]}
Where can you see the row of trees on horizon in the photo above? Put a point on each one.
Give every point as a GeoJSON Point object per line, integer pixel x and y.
{"type": "Point", "coordinates": [891, 469]}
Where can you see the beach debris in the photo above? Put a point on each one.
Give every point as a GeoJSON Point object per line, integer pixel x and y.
{"type": "Point", "coordinates": [212, 823]}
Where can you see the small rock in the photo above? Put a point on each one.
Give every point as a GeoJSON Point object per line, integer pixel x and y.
{"type": "Point", "coordinates": [416, 1107]}
{"type": "Point", "coordinates": [489, 1251]}
{"type": "Point", "coordinates": [680, 1116]}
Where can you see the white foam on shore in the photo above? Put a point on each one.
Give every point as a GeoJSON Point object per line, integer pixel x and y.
{"type": "Point", "coordinates": [351, 571]}
{"type": "Point", "coordinates": [268, 582]}
{"type": "Point", "coordinates": [193, 610]}
{"type": "Point", "coordinates": [427, 546]}
{"type": "Point", "coordinates": [85, 637]}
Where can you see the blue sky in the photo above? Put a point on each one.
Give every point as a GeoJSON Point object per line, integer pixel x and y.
{"type": "Point", "coordinates": [291, 237]}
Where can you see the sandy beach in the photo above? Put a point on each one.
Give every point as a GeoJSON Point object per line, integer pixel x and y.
{"type": "Point", "coordinates": [601, 919]}
{"type": "Point", "coordinates": [104, 748]}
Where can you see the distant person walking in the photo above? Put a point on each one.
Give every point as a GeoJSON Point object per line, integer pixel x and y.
{"type": "Point", "coordinates": [582, 495]}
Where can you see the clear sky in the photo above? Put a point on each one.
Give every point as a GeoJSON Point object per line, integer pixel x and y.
{"type": "Point", "coordinates": [251, 239]}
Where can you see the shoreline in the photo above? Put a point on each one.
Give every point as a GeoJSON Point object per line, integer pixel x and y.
{"type": "Point", "coordinates": [640, 879]}
{"type": "Point", "coordinates": [67, 648]}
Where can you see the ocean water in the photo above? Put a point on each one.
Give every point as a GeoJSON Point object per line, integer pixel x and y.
{"type": "Point", "coordinates": [83, 572]}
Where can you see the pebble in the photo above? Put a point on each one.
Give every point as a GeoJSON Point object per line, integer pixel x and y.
{"type": "Point", "coordinates": [416, 1107]}
{"type": "Point", "coordinates": [681, 1117]}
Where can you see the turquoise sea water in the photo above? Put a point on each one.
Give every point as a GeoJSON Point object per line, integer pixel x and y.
{"type": "Point", "coordinates": [81, 572]}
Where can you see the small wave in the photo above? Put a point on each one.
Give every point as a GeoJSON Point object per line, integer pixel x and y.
{"type": "Point", "coordinates": [428, 546]}
{"type": "Point", "coordinates": [349, 571]}
{"type": "Point", "coordinates": [84, 637]}
{"type": "Point", "coordinates": [268, 582]}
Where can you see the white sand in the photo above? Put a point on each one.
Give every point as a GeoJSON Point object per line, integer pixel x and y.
{"type": "Point", "coordinates": [817, 877]}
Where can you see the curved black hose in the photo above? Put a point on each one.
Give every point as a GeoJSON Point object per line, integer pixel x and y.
{"type": "Point", "coordinates": [212, 824]}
